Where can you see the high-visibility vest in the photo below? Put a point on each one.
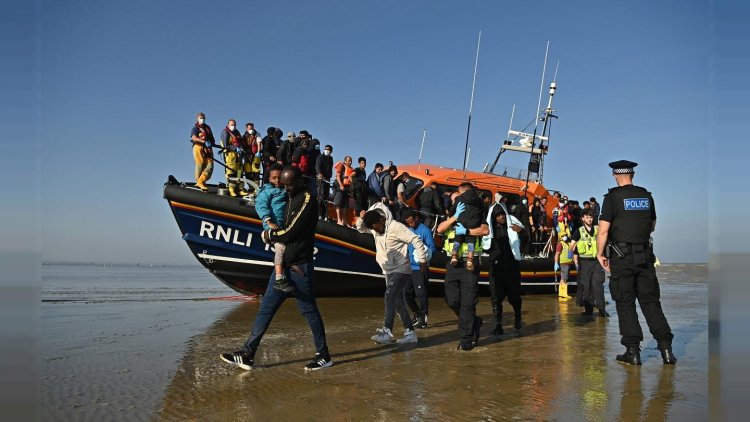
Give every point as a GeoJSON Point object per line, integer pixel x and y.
{"type": "Point", "coordinates": [448, 244]}
{"type": "Point", "coordinates": [586, 246]}
{"type": "Point", "coordinates": [564, 255]}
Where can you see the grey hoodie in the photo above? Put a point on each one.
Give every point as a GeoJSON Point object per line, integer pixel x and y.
{"type": "Point", "coordinates": [391, 248]}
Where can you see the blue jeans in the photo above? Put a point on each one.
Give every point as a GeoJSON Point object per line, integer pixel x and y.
{"type": "Point", "coordinates": [395, 283]}
{"type": "Point", "coordinates": [304, 293]}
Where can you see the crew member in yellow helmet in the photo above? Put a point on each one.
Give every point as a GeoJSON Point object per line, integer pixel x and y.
{"type": "Point", "coordinates": [590, 292]}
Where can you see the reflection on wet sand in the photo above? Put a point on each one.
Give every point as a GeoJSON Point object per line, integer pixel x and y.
{"type": "Point", "coordinates": [560, 367]}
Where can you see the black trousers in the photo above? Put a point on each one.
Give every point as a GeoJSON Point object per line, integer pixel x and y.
{"type": "Point", "coordinates": [629, 282]}
{"type": "Point", "coordinates": [505, 281]}
{"type": "Point", "coordinates": [462, 296]}
{"type": "Point", "coordinates": [416, 293]}
{"type": "Point", "coordinates": [590, 284]}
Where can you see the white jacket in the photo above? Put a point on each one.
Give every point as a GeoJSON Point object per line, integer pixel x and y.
{"type": "Point", "coordinates": [391, 248]}
{"type": "Point", "coordinates": [515, 241]}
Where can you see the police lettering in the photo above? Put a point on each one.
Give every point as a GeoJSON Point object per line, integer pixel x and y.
{"type": "Point", "coordinates": [637, 204]}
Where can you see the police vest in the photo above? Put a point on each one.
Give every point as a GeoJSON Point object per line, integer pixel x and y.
{"type": "Point", "coordinates": [448, 245]}
{"type": "Point", "coordinates": [632, 214]}
{"type": "Point", "coordinates": [564, 255]}
{"type": "Point", "coordinates": [586, 246]}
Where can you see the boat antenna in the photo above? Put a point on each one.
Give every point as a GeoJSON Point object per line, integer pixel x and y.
{"type": "Point", "coordinates": [471, 104]}
{"type": "Point", "coordinates": [497, 157]}
{"type": "Point", "coordinates": [547, 128]}
{"type": "Point", "coordinates": [541, 86]}
{"type": "Point", "coordinates": [533, 159]}
{"type": "Point", "coordinates": [421, 147]}
{"type": "Point", "coordinates": [468, 153]}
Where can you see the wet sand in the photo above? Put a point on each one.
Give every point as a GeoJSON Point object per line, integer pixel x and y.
{"type": "Point", "coordinates": [159, 360]}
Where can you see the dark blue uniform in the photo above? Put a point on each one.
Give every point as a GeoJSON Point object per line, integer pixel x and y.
{"type": "Point", "coordinates": [631, 213]}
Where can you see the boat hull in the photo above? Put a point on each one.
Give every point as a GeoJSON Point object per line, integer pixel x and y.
{"type": "Point", "coordinates": [224, 234]}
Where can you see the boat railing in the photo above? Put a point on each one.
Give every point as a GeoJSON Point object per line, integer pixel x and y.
{"type": "Point", "coordinates": [515, 173]}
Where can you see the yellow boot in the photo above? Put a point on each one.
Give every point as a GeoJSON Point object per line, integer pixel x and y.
{"type": "Point", "coordinates": [563, 291]}
{"type": "Point", "coordinates": [232, 191]}
{"type": "Point", "coordinates": [201, 182]}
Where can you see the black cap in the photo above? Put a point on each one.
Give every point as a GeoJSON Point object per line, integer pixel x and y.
{"type": "Point", "coordinates": [623, 167]}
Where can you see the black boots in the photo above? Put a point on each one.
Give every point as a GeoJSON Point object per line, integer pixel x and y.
{"type": "Point", "coordinates": [517, 322]}
{"type": "Point", "coordinates": [631, 356]}
{"type": "Point", "coordinates": [666, 353]}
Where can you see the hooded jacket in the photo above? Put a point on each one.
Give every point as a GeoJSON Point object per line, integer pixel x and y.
{"type": "Point", "coordinates": [515, 241]}
{"type": "Point", "coordinates": [271, 203]}
{"type": "Point", "coordinates": [391, 248]}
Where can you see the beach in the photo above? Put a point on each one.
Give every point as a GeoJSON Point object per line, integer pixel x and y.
{"type": "Point", "coordinates": [142, 343]}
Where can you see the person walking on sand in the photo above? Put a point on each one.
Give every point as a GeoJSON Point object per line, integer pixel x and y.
{"type": "Point", "coordinates": [462, 284]}
{"type": "Point", "coordinates": [391, 246]}
{"type": "Point", "coordinates": [299, 236]}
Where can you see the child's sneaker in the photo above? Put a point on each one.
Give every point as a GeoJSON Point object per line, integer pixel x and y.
{"type": "Point", "coordinates": [319, 362]}
{"type": "Point", "coordinates": [383, 336]}
{"type": "Point", "coordinates": [238, 358]}
{"type": "Point", "coordinates": [282, 284]}
{"type": "Point", "coordinates": [409, 337]}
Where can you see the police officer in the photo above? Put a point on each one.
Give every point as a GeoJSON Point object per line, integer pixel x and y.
{"type": "Point", "coordinates": [462, 285]}
{"type": "Point", "coordinates": [625, 225]}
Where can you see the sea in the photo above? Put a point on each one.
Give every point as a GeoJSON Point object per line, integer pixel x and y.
{"type": "Point", "coordinates": [141, 342]}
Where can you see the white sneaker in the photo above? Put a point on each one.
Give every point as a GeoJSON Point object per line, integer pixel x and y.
{"type": "Point", "coordinates": [383, 336]}
{"type": "Point", "coordinates": [409, 337]}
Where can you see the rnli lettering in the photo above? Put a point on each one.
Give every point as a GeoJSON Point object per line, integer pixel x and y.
{"type": "Point", "coordinates": [637, 204]}
{"type": "Point", "coordinates": [227, 234]}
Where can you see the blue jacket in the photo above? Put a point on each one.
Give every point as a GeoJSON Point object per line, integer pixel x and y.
{"type": "Point", "coordinates": [375, 183]}
{"type": "Point", "coordinates": [271, 202]}
{"type": "Point", "coordinates": [425, 235]}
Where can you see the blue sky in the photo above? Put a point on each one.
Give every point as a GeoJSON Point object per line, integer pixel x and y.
{"type": "Point", "coordinates": [121, 82]}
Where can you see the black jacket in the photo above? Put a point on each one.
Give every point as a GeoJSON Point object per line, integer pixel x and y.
{"type": "Point", "coordinates": [298, 233]}
{"type": "Point", "coordinates": [430, 201]}
{"type": "Point", "coordinates": [324, 166]}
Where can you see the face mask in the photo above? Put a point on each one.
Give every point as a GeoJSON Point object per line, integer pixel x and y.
{"type": "Point", "coordinates": [565, 238]}
{"type": "Point", "coordinates": [250, 131]}
{"type": "Point", "coordinates": [231, 127]}
{"type": "Point", "coordinates": [201, 121]}
{"type": "Point", "coordinates": [525, 202]}
{"type": "Point", "coordinates": [326, 152]}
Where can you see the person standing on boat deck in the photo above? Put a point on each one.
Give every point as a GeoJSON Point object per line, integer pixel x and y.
{"type": "Point", "coordinates": [590, 279]}
{"type": "Point", "coordinates": [284, 154]}
{"type": "Point", "coordinates": [375, 185]}
{"type": "Point", "coordinates": [389, 188]}
{"type": "Point", "coordinates": [391, 252]}
{"type": "Point", "coordinates": [253, 146]}
{"type": "Point", "coordinates": [430, 205]}
{"type": "Point", "coordinates": [299, 236]}
{"type": "Point", "coordinates": [323, 174]}
{"type": "Point", "coordinates": [233, 142]}
{"type": "Point", "coordinates": [313, 149]}
{"type": "Point", "coordinates": [403, 189]}
{"type": "Point", "coordinates": [270, 147]}
{"type": "Point", "coordinates": [461, 284]}
{"type": "Point", "coordinates": [625, 225]}
{"type": "Point", "coordinates": [415, 293]}
{"type": "Point", "coordinates": [504, 248]}
{"type": "Point", "coordinates": [343, 171]}
{"type": "Point", "coordinates": [522, 214]}
{"type": "Point", "coordinates": [202, 139]}
{"type": "Point", "coordinates": [358, 187]}
{"type": "Point", "coordinates": [597, 210]}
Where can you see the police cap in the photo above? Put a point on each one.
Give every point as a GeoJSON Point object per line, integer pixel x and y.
{"type": "Point", "coordinates": [623, 167]}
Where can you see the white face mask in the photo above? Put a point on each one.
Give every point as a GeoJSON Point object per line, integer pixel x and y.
{"type": "Point", "coordinates": [250, 131]}
{"type": "Point", "coordinates": [525, 202]}
{"type": "Point", "coordinates": [201, 120]}
{"type": "Point", "coordinates": [231, 127]}
{"type": "Point", "coordinates": [326, 152]}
